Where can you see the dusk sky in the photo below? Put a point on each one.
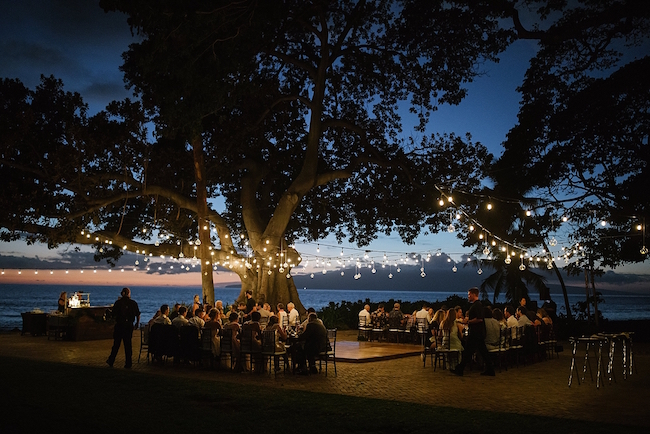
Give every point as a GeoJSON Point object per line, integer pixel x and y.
{"type": "Point", "coordinates": [74, 40]}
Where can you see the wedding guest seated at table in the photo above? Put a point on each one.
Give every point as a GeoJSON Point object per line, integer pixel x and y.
{"type": "Point", "coordinates": [522, 318]}
{"type": "Point", "coordinates": [437, 319]}
{"type": "Point", "coordinates": [492, 330]}
{"type": "Point", "coordinates": [234, 328]}
{"type": "Point", "coordinates": [303, 324]}
{"type": "Point", "coordinates": [543, 316]}
{"type": "Point", "coordinates": [174, 312]}
{"type": "Point", "coordinates": [280, 339]}
{"type": "Point", "coordinates": [283, 318]}
{"type": "Point", "coordinates": [222, 315]}
{"type": "Point", "coordinates": [364, 316]}
{"type": "Point", "coordinates": [265, 313]}
{"type": "Point", "coordinates": [181, 319]}
{"type": "Point", "coordinates": [498, 315]}
{"type": "Point", "coordinates": [213, 323]}
{"type": "Point", "coordinates": [379, 318]}
{"type": "Point", "coordinates": [153, 320]}
{"type": "Point", "coordinates": [197, 320]}
{"type": "Point", "coordinates": [253, 327]}
{"type": "Point", "coordinates": [314, 341]}
{"type": "Point", "coordinates": [455, 330]}
{"type": "Point", "coordinates": [396, 317]}
{"type": "Point", "coordinates": [163, 318]}
{"type": "Point", "coordinates": [423, 313]}
{"type": "Point", "coordinates": [294, 315]}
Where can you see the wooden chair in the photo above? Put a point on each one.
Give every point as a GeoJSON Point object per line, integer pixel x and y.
{"type": "Point", "coordinates": [227, 349]}
{"type": "Point", "coordinates": [500, 353]}
{"type": "Point", "coordinates": [330, 353]}
{"type": "Point", "coordinates": [443, 351]}
{"type": "Point", "coordinates": [270, 350]}
{"type": "Point", "coordinates": [144, 341]}
{"type": "Point", "coordinates": [365, 328]}
{"type": "Point", "coordinates": [250, 349]}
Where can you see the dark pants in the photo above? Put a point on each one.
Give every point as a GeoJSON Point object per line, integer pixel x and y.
{"type": "Point", "coordinates": [122, 333]}
{"type": "Point", "coordinates": [475, 343]}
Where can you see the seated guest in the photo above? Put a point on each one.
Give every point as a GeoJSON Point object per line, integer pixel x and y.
{"type": "Point", "coordinates": [396, 317]}
{"type": "Point", "coordinates": [253, 327]}
{"type": "Point", "coordinates": [174, 313]}
{"type": "Point", "coordinates": [424, 313]}
{"type": "Point", "coordinates": [437, 319]}
{"type": "Point", "coordinates": [498, 315]}
{"type": "Point", "coordinates": [234, 328]}
{"type": "Point", "coordinates": [522, 318]}
{"type": "Point", "coordinates": [544, 317]}
{"type": "Point", "coordinates": [364, 316]}
{"type": "Point", "coordinates": [379, 318]}
{"type": "Point", "coordinates": [306, 321]}
{"type": "Point", "coordinates": [181, 319]}
{"type": "Point", "coordinates": [314, 341]}
{"type": "Point", "coordinates": [265, 313]}
{"type": "Point", "coordinates": [213, 323]}
{"type": "Point", "coordinates": [153, 320]}
{"type": "Point", "coordinates": [511, 318]}
{"type": "Point", "coordinates": [163, 318]}
{"type": "Point", "coordinates": [197, 320]}
{"type": "Point", "coordinates": [283, 318]}
{"type": "Point", "coordinates": [280, 339]}
{"type": "Point", "coordinates": [492, 330]}
{"type": "Point", "coordinates": [241, 311]}
{"type": "Point", "coordinates": [454, 329]}
{"type": "Point", "coordinates": [219, 306]}
{"type": "Point", "coordinates": [294, 316]}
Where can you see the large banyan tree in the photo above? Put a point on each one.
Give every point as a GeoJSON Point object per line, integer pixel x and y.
{"type": "Point", "coordinates": [257, 124]}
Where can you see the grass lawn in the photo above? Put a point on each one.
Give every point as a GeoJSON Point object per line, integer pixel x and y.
{"type": "Point", "coordinates": [76, 399]}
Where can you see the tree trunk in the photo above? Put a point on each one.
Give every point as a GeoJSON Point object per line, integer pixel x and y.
{"type": "Point", "coordinates": [203, 223]}
{"type": "Point", "coordinates": [272, 289]}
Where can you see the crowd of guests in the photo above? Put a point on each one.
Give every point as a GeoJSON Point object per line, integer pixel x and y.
{"type": "Point", "coordinates": [456, 324]}
{"type": "Point", "coordinates": [250, 318]}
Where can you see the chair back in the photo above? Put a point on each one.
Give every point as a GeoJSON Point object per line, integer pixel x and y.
{"type": "Point", "coordinates": [206, 339]}
{"type": "Point", "coordinates": [268, 341]}
{"type": "Point", "coordinates": [226, 341]}
{"type": "Point", "coordinates": [246, 341]}
{"type": "Point", "coordinates": [144, 336]}
{"type": "Point", "coordinates": [331, 337]}
{"type": "Point", "coordinates": [264, 321]}
{"type": "Point", "coordinates": [364, 321]}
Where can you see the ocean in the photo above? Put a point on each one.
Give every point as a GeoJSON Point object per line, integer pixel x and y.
{"type": "Point", "coordinates": [18, 298]}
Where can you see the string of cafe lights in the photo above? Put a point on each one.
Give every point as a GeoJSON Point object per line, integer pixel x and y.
{"type": "Point", "coordinates": [368, 259]}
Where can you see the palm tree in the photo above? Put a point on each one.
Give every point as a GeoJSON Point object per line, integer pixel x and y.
{"type": "Point", "coordinates": [510, 280]}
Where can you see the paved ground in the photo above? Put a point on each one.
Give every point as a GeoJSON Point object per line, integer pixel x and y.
{"type": "Point", "coordinates": [539, 388]}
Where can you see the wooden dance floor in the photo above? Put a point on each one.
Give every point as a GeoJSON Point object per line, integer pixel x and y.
{"type": "Point", "coordinates": [362, 352]}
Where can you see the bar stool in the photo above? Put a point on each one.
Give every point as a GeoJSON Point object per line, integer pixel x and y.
{"type": "Point", "coordinates": [596, 342]}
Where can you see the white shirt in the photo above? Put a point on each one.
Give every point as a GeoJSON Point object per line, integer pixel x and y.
{"type": "Point", "coordinates": [364, 318]}
{"type": "Point", "coordinates": [423, 313]}
{"type": "Point", "coordinates": [294, 317]}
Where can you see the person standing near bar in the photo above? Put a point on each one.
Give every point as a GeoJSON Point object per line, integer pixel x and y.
{"type": "Point", "coordinates": [125, 311]}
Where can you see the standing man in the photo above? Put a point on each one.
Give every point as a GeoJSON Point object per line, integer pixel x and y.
{"type": "Point", "coordinates": [476, 337]}
{"type": "Point", "coordinates": [125, 311]}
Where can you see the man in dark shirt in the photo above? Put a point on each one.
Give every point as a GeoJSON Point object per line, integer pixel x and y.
{"type": "Point", "coordinates": [476, 336]}
{"type": "Point", "coordinates": [125, 311]}
{"type": "Point", "coordinates": [314, 340]}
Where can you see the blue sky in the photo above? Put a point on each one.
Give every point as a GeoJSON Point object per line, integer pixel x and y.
{"type": "Point", "coordinates": [76, 41]}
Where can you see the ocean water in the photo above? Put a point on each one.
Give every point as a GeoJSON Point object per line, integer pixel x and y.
{"type": "Point", "coordinates": [17, 298]}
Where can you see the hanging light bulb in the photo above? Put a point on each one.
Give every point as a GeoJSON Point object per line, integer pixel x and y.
{"type": "Point", "coordinates": [489, 206]}
{"type": "Point", "coordinates": [549, 265]}
{"type": "Point", "coordinates": [508, 260]}
{"type": "Point", "coordinates": [454, 269]}
{"type": "Point", "coordinates": [450, 228]}
{"type": "Point", "coordinates": [522, 267]}
{"type": "Point", "coordinates": [311, 275]}
{"type": "Point", "coordinates": [486, 251]}
{"type": "Point", "coordinates": [644, 250]}
{"type": "Point", "coordinates": [390, 275]}
{"type": "Point", "coordinates": [479, 271]}
{"type": "Point", "coordinates": [318, 248]}
{"type": "Point", "coordinates": [552, 242]}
